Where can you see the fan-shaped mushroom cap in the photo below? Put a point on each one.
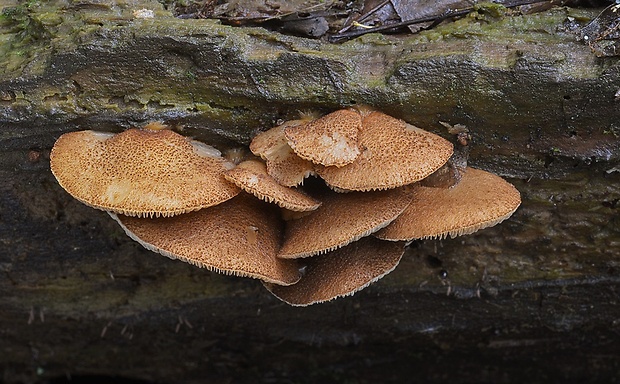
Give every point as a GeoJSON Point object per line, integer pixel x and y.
{"type": "Point", "coordinates": [341, 272]}
{"type": "Point", "coordinates": [342, 219]}
{"type": "Point", "coordinates": [140, 172]}
{"type": "Point", "coordinates": [239, 237]}
{"type": "Point", "coordinates": [481, 199]}
{"type": "Point", "coordinates": [330, 140]}
{"type": "Point", "coordinates": [252, 177]}
{"type": "Point", "coordinates": [283, 164]}
{"type": "Point", "coordinates": [394, 154]}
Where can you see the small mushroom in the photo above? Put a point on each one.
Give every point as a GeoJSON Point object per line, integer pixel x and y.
{"type": "Point", "coordinates": [240, 237]}
{"type": "Point", "coordinates": [141, 172]}
{"type": "Point", "coordinates": [330, 140]}
{"type": "Point", "coordinates": [341, 272]}
{"type": "Point", "coordinates": [252, 177]}
{"type": "Point", "coordinates": [394, 153]}
{"type": "Point", "coordinates": [283, 164]}
{"type": "Point", "coordinates": [449, 174]}
{"type": "Point", "coordinates": [342, 219]}
{"type": "Point", "coordinates": [480, 200]}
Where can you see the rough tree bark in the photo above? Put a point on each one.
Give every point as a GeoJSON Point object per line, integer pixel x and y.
{"type": "Point", "coordinates": [536, 296]}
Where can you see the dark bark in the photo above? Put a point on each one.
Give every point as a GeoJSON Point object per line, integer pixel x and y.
{"type": "Point", "coordinates": [535, 297]}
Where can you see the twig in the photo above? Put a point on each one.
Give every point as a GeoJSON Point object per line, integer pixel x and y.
{"type": "Point", "coordinates": [436, 19]}
{"type": "Point", "coordinates": [366, 15]}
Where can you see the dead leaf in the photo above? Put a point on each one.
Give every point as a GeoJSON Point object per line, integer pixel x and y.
{"type": "Point", "coordinates": [602, 34]}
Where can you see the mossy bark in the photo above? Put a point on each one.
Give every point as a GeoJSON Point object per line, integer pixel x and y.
{"type": "Point", "coordinates": [80, 298]}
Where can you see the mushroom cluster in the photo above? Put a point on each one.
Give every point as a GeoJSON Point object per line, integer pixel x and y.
{"type": "Point", "coordinates": [376, 189]}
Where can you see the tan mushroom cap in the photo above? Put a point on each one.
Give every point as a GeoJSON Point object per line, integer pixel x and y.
{"type": "Point", "coordinates": [342, 219]}
{"type": "Point", "coordinates": [394, 154]}
{"type": "Point", "coordinates": [252, 177]}
{"type": "Point", "coordinates": [341, 272]}
{"type": "Point", "coordinates": [239, 237]}
{"type": "Point", "coordinates": [330, 140]}
{"type": "Point", "coordinates": [283, 164]}
{"type": "Point", "coordinates": [140, 172]}
{"type": "Point", "coordinates": [480, 200]}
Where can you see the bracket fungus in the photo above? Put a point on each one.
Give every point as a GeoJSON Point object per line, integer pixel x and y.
{"type": "Point", "coordinates": [240, 237]}
{"type": "Point", "coordinates": [480, 200]}
{"type": "Point", "coordinates": [140, 172]}
{"type": "Point", "coordinates": [283, 164]}
{"type": "Point", "coordinates": [394, 154]}
{"type": "Point", "coordinates": [341, 272]}
{"type": "Point", "coordinates": [330, 140]}
{"type": "Point", "coordinates": [342, 219]}
{"type": "Point", "coordinates": [252, 177]}
{"type": "Point", "coordinates": [403, 183]}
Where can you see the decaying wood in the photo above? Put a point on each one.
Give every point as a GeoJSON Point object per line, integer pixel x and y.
{"type": "Point", "coordinates": [77, 297]}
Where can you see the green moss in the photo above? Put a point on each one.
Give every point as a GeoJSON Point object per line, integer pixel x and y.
{"type": "Point", "coordinates": [490, 22]}
{"type": "Point", "coordinates": [21, 34]}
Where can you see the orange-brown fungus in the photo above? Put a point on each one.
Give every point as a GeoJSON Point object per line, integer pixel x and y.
{"type": "Point", "coordinates": [341, 272]}
{"type": "Point", "coordinates": [140, 172]}
{"type": "Point", "coordinates": [342, 219]}
{"type": "Point", "coordinates": [239, 237]}
{"type": "Point", "coordinates": [481, 199]}
{"type": "Point", "coordinates": [252, 177]}
{"type": "Point", "coordinates": [330, 140]}
{"type": "Point", "coordinates": [394, 153]}
{"type": "Point", "coordinates": [283, 164]}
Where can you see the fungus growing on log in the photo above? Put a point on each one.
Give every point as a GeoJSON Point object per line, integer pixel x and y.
{"type": "Point", "coordinates": [394, 154]}
{"type": "Point", "coordinates": [252, 177]}
{"type": "Point", "coordinates": [403, 183]}
{"type": "Point", "coordinates": [141, 172]}
{"type": "Point", "coordinates": [283, 164]}
{"type": "Point", "coordinates": [480, 200]}
{"type": "Point", "coordinates": [330, 140]}
{"type": "Point", "coordinates": [240, 237]}
{"type": "Point", "coordinates": [341, 272]}
{"type": "Point", "coordinates": [342, 219]}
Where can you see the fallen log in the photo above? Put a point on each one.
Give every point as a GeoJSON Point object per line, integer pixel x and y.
{"type": "Point", "coordinates": [533, 297]}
